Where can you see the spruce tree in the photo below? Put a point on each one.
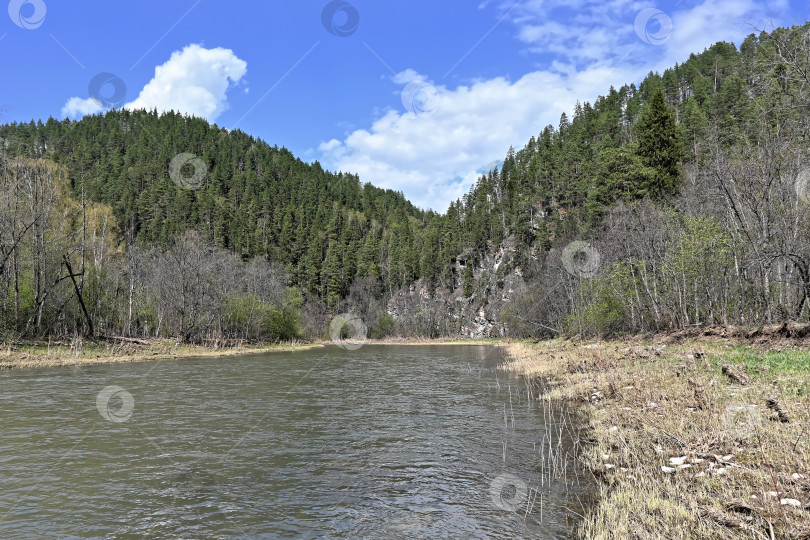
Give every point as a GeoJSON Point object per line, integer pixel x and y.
{"type": "Point", "coordinates": [468, 278]}
{"type": "Point", "coordinates": [659, 146]}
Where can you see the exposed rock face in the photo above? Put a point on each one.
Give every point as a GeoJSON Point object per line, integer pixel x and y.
{"type": "Point", "coordinates": [441, 312]}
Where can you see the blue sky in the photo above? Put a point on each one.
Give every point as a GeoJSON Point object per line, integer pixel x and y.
{"type": "Point", "coordinates": [413, 95]}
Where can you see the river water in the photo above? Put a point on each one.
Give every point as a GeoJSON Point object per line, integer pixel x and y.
{"type": "Point", "coordinates": [380, 442]}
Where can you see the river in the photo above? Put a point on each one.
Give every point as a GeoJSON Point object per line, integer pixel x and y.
{"type": "Point", "coordinates": [379, 442]}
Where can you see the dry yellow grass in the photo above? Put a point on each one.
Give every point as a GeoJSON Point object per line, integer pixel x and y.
{"type": "Point", "coordinates": [679, 449]}
{"type": "Point", "coordinates": [426, 341]}
{"type": "Point", "coordinates": [87, 353]}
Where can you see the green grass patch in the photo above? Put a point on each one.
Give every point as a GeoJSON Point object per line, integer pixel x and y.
{"type": "Point", "coordinates": [786, 362]}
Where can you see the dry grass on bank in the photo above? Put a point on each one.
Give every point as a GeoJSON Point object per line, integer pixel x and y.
{"type": "Point", "coordinates": [682, 449]}
{"type": "Point", "coordinates": [86, 352]}
{"type": "Point", "coordinates": [421, 341]}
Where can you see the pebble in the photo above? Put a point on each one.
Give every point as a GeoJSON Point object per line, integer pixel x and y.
{"type": "Point", "coordinates": [797, 476]}
{"type": "Point", "coordinates": [677, 460]}
{"type": "Point", "coordinates": [790, 502]}
{"type": "Point", "coordinates": [667, 470]}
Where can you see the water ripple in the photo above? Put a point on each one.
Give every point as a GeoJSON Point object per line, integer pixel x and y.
{"type": "Point", "coordinates": [375, 443]}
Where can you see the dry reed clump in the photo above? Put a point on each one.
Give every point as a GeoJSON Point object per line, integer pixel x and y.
{"type": "Point", "coordinates": [682, 449]}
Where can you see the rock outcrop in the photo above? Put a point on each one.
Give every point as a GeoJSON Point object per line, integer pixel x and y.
{"type": "Point", "coordinates": [439, 312]}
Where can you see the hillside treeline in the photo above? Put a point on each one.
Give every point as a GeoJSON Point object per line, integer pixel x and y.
{"type": "Point", "coordinates": [687, 190]}
{"type": "Point", "coordinates": [717, 236]}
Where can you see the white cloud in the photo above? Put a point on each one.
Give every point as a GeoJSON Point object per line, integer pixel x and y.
{"type": "Point", "coordinates": [718, 20]}
{"type": "Point", "coordinates": [193, 81]}
{"type": "Point", "coordinates": [433, 158]}
{"type": "Point", "coordinates": [409, 75]}
{"type": "Point", "coordinates": [601, 31]}
{"type": "Point", "coordinates": [78, 107]}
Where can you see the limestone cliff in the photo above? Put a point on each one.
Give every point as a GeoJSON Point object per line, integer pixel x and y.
{"type": "Point", "coordinates": [497, 280]}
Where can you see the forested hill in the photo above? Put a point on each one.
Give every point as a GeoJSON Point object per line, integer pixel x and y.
{"type": "Point", "coordinates": [685, 186]}
{"type": "Point", "coordinates": [689, 193]}
{"type": "Point", "coordinates": [248, 196]}
{"type": "Point", "coordinates": [639, 141]}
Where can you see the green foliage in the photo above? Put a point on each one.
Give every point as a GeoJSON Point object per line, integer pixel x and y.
{"type": "Point", "coordinates": [702, 246]}
{"type": "Point", "coordinates": [18, 306]}
{"type": "Point", "coordinates": [469, 278]}
{"type": "Point", "coordinates": [622, 175]}
{"type": "Point", "coordinates": [382, 329]}
{"type": "Point", "coordinates": [250, 318]}
{"type": "Point", "coordinates": [660, 147]}
{"type": "Point", "coordinates": [600, 312]}
{"type": "Point", "coordinates": [281, 324]}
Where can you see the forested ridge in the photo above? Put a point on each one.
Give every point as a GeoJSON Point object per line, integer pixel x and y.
{"type": "Point", "coordinates": [684, 197]}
